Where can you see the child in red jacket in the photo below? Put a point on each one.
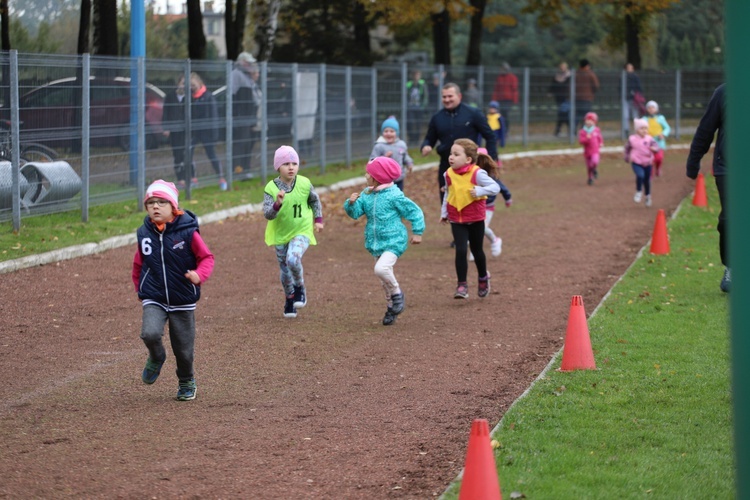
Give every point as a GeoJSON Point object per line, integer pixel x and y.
{"type": "Point", "coordinates": [591, 139]}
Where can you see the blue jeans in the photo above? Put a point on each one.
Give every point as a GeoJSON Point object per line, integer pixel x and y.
{"type": "Point", "coordinates": [642, 178]}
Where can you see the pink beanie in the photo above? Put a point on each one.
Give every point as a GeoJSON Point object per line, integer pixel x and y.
{"type": "Point", "coordinates": [162, 189]}
{"type": "Point", "coordinates": [639, 122]}
{"type": "Point", "coordinates": [383, 169]}
{"type": "Point", "coordinates": [285, 154]}
{"type": "Point", "coordinates": [592, 116]}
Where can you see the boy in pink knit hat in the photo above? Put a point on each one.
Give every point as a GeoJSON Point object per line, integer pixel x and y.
{"type": "Point", "coordinates": [639, 152]}
{"type": "Point", "coordinates": [170, 265]}
{"type": "Point", "coordinates": [294, 214]}
{"type": "Point", "coordinates": [386, 237]}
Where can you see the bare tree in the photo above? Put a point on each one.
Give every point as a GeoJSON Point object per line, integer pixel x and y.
{"type": "Point", "coordinates": [196, 36]}
{"type": "Point", "coordinates": [105, 28]}
{"type": "Point", "coordinates": [474, 50]}
{"type": "Point", "coordinates": [266, 17]}
{"type": "Point", "coordinates": [5, 24]}
{"type": "Point", "coordinates": [84, 28]}
{"type": "Point", "coordinates": [234, 20]}
{"type": "Point", "coordinates": [441, 36]}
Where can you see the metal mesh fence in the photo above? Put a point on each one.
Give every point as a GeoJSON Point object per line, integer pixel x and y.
{"type": "Point", "coordinates": [119, 123]}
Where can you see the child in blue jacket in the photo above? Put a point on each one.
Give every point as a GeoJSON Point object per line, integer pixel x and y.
{"type": "Point", "coordinates": [386, 237]}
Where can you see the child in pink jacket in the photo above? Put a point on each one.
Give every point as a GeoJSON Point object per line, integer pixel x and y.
{"type": "Point", "coordinates": [639, 152]}
{"type": "Point", "coordinates": [591, 138]}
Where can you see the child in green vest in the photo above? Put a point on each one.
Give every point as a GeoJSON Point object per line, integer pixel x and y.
{"type": "Point", "coordinates": [294, 214]}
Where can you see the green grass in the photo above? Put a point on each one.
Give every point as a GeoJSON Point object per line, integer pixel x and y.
{"type": "Point", "coordinates": [655, 418]}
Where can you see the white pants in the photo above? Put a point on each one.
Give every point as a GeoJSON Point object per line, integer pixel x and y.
{"type": "Point", "coordinates": [384, 271]}
{"type": "Point", "coordinates": [487, 231]}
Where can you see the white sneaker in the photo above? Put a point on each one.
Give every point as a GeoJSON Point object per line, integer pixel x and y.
{"type": "Point", "coordinates": [638, 197]}
{"type": "Point", "coordinates": [496, 246]}
{"type": "Point", "coordinates": [648, 200]}
{"type": "Point", "coordinates": [471, 256]}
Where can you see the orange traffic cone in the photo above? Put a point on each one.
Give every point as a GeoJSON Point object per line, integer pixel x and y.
{"type": "Point", "coordinates": [480, 480]}
{"type": "Point", "coordinates": [577, 353]}
{"type": "Point", "coordinates": [699, 196]}
{"type": "Point", "coordinates": [660, 240]}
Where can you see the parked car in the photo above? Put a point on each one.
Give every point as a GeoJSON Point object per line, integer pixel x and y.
{"type": "Point", "coordinates": [50, 114]}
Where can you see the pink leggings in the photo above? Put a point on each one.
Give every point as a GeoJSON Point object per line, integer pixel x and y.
{"type": "Point", "coordinates": [658, 159]}
{"type": "Point", "coordinates": [591, 163]}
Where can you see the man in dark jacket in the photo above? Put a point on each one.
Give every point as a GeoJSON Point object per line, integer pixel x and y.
{"type": "Point", "coordinates": [713, 120]}
{"type": "Point", "coordinates": [455, 121]}
{"type": "Point", "coordinates": [587, 85]}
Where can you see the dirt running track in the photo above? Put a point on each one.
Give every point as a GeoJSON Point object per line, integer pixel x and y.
{"type": "Point", "coordinates": [328, 405]}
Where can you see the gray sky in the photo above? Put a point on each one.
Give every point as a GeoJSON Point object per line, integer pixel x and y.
{"type": "Point", "coordinates": [175, 6]}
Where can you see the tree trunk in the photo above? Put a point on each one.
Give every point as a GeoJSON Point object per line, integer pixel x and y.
{"type": "Point", "coordinates": [266, 17]}
{"type": "Point", "coordinates": [361, 35]}
{"type": "Point", "coordinates": [632, 42]}
{"type": "Point", "coordinates": [5, 89]}
{"type": "Point", "coordinates": [84, 28]}
{"type": "Point", "coordinates": [5, 25]}
{"type": "Point", "coordinates": [441, 38]}
{"type": "Point", "coordinates": [234, 20]}
{"type": "Point", "coordinates": [474, 53]}
{"type": "Point", "coordinates": [229, 35]}
{"type": "Point", "coordinates": [196, 36]}
{"type": "Point", "coordinates": [105, 28]}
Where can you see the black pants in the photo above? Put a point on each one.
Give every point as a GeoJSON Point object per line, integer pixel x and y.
{"type": "Point", "coordinates": [243, 141]}
{"type": "Point", "coordinates": [441, 180]}
{"type": "Point", "coordinates": [723, 218]}
{"type": "Point", "coordinates": [177, 141]}
{"type": "Point", "coordinates": [473, 234]}
{"type": "Point", "coordinates": [210, 149]}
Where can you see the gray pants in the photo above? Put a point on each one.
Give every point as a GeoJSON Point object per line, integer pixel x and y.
{"type": "Point", "coordinates": [181, 336]}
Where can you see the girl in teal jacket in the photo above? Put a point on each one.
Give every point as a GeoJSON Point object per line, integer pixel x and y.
{"type": "Point", "coordinates": [386, 237]}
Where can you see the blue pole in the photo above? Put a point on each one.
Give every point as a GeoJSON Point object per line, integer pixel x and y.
{"type": "Point", "coordinates": [137, 50]}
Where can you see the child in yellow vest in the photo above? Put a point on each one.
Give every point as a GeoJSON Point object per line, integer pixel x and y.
{"type": "Point", "coordinates": [496, 122]}
{"type": "Point", "coordinates": [294, 214]}
{"type": "Point", "coordinates": [659, 129]}
{"type": "Point", "coordinates": [468, 183]}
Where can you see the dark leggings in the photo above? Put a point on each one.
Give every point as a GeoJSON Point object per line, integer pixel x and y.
{"type": "Point", "coordinates": [473, 234]}
{"type": "Point", "coordinates": [722, 226]}
{"type": "Point", "coordinates": [642, 178]}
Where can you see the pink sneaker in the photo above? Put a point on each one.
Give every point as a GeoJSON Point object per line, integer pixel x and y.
{"type": "Point", "coordinates": [484, 286]}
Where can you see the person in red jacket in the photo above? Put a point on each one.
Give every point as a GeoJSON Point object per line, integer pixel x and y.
{"type": "Point", "coordinates": [506, 92]}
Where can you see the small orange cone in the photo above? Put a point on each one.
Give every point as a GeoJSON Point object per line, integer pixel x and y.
{"type": "Point", "coordinates": [660, 240]}
{"type": "Point", "coordinates": [577, 353]}
{"type": "Point", "coordinates": [480, 480]}
{"type": "Point", "coordinates": [699, 196]}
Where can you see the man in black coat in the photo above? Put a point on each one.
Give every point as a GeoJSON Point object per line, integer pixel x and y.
{"type": "Point", "coordinates": [455, 121]}
{"type": "Point", "coordinates": [713, 120]}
